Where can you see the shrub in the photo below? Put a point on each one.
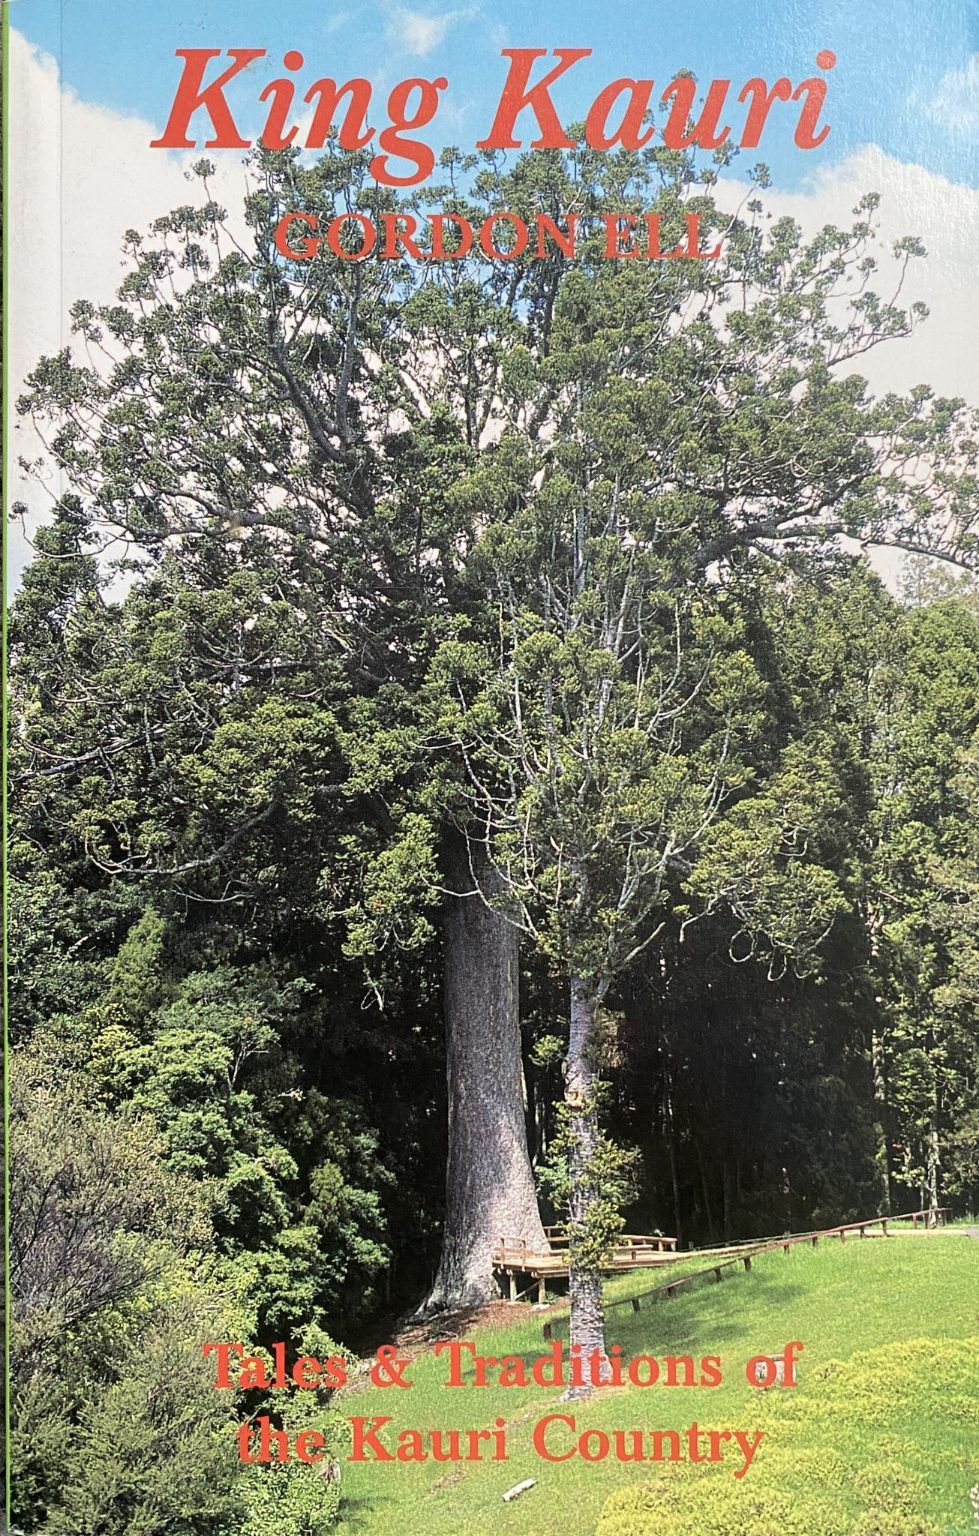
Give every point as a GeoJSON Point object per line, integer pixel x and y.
{"type": "Point", "coordinates": [812, 1477]}
{"type": "Point", "coordinates": [890, 1490]}
{"type": "Point", "coordinates": [288, 1499]}
{"type": "Point", "coordinates": [710, 1506]}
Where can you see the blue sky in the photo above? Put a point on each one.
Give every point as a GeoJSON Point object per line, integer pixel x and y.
{"type": "Point", "coordinates": [907, 77]}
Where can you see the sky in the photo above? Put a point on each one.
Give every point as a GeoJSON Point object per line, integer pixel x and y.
{"type": "Point", "coordinates": [907, 76]}
{"type": "Point", "coordinates": [92, 82]}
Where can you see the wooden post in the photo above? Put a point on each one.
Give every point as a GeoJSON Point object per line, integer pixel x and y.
{"type": "Point", "coordinates": [718, 1272]}
{"type": "Point", "coordinates": [513, 1286]}
{"type": "Point", "coordinates": [541, 1290]}
{"type": "Point", "coordinates": [815, 1242]}
{"type": "Point", "coordinates": [747, 1262]}
{"type": "Point", "coordinates": [635, 1303]}
{"type": "Point", "coordinates": [884, 1226]}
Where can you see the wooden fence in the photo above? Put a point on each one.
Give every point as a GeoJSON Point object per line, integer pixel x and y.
{"type": "Point", "coordinates": [632, 1251]}
{"type": "Point", "coordinates": [745, 1253]}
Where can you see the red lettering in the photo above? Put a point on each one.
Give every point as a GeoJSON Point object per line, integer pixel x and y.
{"type": "Point", "coordinates": [439, 249]}
{"type": "Point", "coordinates": [815, 90]}
{"type": "Point", "coordinates": [306, 1372]}
{"type": "Point", "coordinates": [516, 97]}
{"type": "Point", "coordinates": [309, 1445]}
{"type": "Point", "coordinates": [540, 1436]}
{"type": "Point", "coordinates": [335, 1372]}
{"type": "Point", "coordinates": [354, 133]}
{"type": "Point", "coordinates": [519, 237]}
{"type": "Point", "coordinates": [761, 104]}
{"type": "Point", "coordinates": [790, 1357]}
{"type": "Point", "coordinates": [565, 241]}
{"type": "Point", "coordinates": [274, 134]}
{"type": "Point", "coordinates": [619, 226]}
{"type": "Point", "coordinates": [394, 237]}
{"type": "Point", "coordinates": [309, 246]}
{"type": "Point", "coordinates": [223, 1352]}
{"type": "Point", "coordinates": [366, 1446]}
{"type": "Point", "coordinates": [711, 1374]}
{"type": "Point", "coordinates": [630, 133]}
{"type": "Point", "coordinates": [334, 236]}
{"type": "Point", "coordinates": [191, 96]}
{"type": "Point", "coordinates": [244, 1454]}
{"type": "Point", "coordinates": [392, 140]}
{"type": "Point", "coordinates": [680, 132]}
{"type": "Point", "coordinates": [273, 1444]}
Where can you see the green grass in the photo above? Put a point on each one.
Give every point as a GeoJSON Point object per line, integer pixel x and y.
{"type": "Point", "coordinates": [846, 1303]}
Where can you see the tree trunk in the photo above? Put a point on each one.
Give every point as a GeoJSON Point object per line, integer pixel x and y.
{"type": "Point", "coordinates": [705, 1190]}
{"type": "Point", "coordinates": [882, 1120]}
{"type": "Point", "coordinates": [489, 1190]}
{"type": "Point", "coordinates": [671, 1148]}
{"type": "Point", "coordinates": [934, 1158]}
{"type": "Point", "coordinates": [584, 1284]}
{"type": "Point", "coordinates": [726, 1196]}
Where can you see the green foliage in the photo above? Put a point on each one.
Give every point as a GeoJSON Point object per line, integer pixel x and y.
{"type": "Point", "coordinates": [924, 901]}
{"type": "Point", "coordinates": [607, 1176]}
{"type": "Point", "coordinates": [96, 1216]}
{"type": "Point", "coordinates": [800, 1506]}
{"type": "Point", "coordinates": [540, 551]}
{"type": "Point", "coordinates": [908, 1299]}
{"type": "Point", "coordinates": [118, 1428]}
{"type": "Point", "coordinates": [152, 1453]}
{"type": "Point", "coordinates": [675, 1507]}
{"type": "Point", "coordinates": [803, 1481]}
{"type": "Point", "coordinates": [287, 1500]}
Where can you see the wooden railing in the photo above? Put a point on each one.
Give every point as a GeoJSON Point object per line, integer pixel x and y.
{"type": "Point", "coordinates": [635, 1242]}
{"type": "Point", "coordinates": [931, 1216]}
{"type": "Point", "coordinates": [630, 1249]}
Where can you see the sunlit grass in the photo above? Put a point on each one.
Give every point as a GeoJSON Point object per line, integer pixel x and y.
{"type": "Point", "coordinates": [840, 1301]}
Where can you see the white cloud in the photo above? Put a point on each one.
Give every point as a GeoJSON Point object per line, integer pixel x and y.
{"type": "Point", "coordinates": [418, 32]}
{"type": "Point", "coordinates": [955, 103]}
{"type": "Point", "coordinates": [944, 351]}
{"type": "Point", "coordinates": [80, 176]}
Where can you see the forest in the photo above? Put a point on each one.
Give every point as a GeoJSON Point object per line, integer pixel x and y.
{"type": "Point", "coordinates": [465, 775]}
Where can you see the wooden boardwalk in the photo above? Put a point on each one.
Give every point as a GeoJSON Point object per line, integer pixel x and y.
{"type": "Point", "coordinates": [720, 1260]}
{"type": "Point", "coordinates": [633, 1251]}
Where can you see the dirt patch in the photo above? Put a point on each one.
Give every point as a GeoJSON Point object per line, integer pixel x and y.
{"type": "Point", "coordinates": [414, 1338]}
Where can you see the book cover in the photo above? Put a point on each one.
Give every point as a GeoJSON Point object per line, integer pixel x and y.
{"type": "Point", "coordinates": [491, 763]}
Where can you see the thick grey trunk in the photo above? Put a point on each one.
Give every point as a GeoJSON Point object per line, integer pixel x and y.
{"type": "Point", "coordinates": [489, 1190]}
{"type": "Point", "coordinates": [584, 1284]}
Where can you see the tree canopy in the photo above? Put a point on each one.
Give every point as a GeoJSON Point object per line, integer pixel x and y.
{"type": "Point", "coordinates": [368, 573]}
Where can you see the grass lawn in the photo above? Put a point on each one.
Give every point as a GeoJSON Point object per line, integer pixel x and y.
{"type": "Point", "coordinates": [890, 1401]}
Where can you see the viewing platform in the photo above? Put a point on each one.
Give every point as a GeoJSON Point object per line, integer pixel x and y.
{"type": "Point", "coordinates": [512, 1259]}
{"type": "Point", "coordinates": [632, 1251]}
